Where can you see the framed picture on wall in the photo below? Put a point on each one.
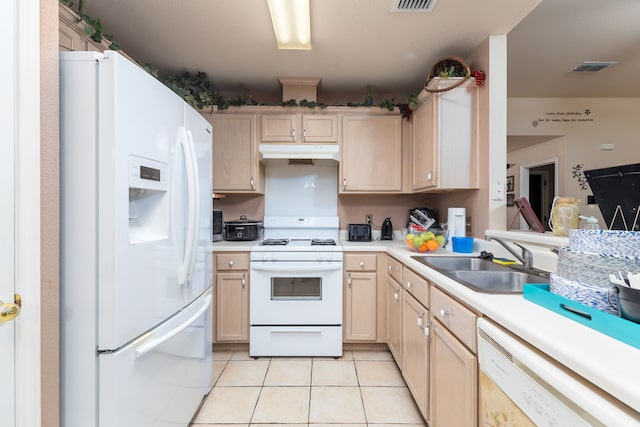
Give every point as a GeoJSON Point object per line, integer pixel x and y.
{"type": "Point", "coordinates": [509, 199]}
{"type": "Point", "coordinates": [509, 183]}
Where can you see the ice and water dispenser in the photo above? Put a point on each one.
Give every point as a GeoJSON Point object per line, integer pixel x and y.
{"type": "Point", "coordinates": [148, 200]}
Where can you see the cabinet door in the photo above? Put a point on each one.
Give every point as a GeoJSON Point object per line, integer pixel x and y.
{"type": "Point", "coordinates": [415, 350]}
{"type": "Point", "coordinates": [394, 319]}
{"type": "Point", "coordinates": [278, 127]}
{"type": "Point", "coordinates": [235, 160]}
{"type": "Point", "coordinates": [423, 156]}
{"type": "Point", "coordinates": [371, 154]}
{"type": "Point", "coordinates": [232, 306]}
{"type": "Point", "coordinates": [454, 383]}
{"type": "Point", "coordinates": [445, 140]}
{"type": "Point", "coordinates": [319, 128]}
{"type": "Point", "coordinates": [360, 307]}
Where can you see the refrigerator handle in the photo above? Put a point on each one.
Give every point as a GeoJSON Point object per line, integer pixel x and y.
{"type": "Point", "coordinates": [191, 169]}
{"type": "Point", "coordinates": [148, 346]}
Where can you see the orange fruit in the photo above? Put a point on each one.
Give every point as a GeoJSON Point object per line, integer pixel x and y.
{"type": "Point", "coordinates": [432, 244]}
{"type": "Point", "coordinates": [424, 247]}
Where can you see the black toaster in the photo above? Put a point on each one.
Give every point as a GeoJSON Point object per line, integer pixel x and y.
{"type": "Point", "coordinates": [359, 232]}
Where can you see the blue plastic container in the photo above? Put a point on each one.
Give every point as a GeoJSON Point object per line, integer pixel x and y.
{"type": "Point", "coordinates": [462, 244]}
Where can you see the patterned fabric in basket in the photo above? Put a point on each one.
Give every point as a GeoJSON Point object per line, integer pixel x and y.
{"type": "Point", "coordinates": [594, 269]}
{"type": "Point", "coordinates": [606, 242]}
{"type": "Point", "coordinates": [603, 299]}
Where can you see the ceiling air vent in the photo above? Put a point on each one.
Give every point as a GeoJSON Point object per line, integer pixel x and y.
{"type": "Point", "coordinates": [593, 66]}
{"type": "Point", "coordinates": [413, 5]}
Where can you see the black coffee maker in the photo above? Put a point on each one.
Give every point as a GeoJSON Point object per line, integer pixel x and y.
{"type": "Point", "coordinates": [386, 232]}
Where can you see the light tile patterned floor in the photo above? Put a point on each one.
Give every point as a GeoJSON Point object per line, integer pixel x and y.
{"type": "Point", "coordinates": [361, 388]}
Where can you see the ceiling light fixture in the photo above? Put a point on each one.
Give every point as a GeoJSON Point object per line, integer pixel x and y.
{"type": "Point", "coordinates": [291, 23]}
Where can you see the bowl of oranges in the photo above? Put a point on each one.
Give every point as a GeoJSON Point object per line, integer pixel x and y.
{"type": "Point", "coordinates": [422, 240]}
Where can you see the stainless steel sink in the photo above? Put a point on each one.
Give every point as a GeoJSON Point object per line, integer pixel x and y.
{"type": "Point", "coordinates": [451, 263]}
{"type": "Point", "coordinates": [496, 281]}
{"type": "Point", "coordinates": [483, 275]}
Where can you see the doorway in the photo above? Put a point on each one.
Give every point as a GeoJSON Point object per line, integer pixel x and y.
{"type": "Point", "coordinates": [538, 183]}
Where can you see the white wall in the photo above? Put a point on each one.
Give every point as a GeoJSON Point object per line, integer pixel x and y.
{"type": "Point", "coordinates": [573, 129]}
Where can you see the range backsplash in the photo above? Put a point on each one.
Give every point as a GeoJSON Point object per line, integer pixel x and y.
{"type": "Point", "coordinates": [301, 190]}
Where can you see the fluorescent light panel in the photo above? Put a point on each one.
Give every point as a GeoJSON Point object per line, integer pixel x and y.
{"type": "Point", "coordinates": [291, 23]}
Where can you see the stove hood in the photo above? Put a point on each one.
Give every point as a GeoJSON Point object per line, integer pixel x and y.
{"type": "Point", "coordinates": [302, 151]}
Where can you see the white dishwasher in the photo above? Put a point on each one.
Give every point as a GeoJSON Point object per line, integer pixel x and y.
{"type": "Point", "coordinates": [521, 386]}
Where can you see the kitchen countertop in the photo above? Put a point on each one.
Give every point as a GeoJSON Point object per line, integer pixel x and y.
{"type": "Point", "coordinates": [608, 363]}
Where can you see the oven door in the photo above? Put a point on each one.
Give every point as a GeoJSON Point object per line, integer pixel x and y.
{"type": "Point", "coordinates": [296, 293]}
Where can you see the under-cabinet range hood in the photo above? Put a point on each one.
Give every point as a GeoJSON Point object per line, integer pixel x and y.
{"type": "Point", "coordinates": [300, 151]}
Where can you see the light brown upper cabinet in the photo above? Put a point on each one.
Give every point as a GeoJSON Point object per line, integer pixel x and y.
{"type": "Point", "coordinates": [371, 154]}
{"type": "Point", "coordinates": [236, 166]}
{"type": "Point", "coordinates": [445, 140]}
{"type": "Point", "coordinates": [296, 128]}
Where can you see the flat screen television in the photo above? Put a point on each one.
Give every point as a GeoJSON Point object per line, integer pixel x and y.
{"type": "Point", "coordinates": [616, 190]}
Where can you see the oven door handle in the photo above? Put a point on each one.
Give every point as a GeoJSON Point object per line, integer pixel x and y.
{"type": "Point", "coordinates": [305, 268]}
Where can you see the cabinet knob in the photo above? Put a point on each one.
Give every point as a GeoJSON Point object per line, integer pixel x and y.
{"type": "Point", "coordinates": [244, 280]}
{"type": "Point", "coordinates": [344, 183]}
{"type": "Point", "coordinates": [304, 135]}
{"type": "Point", "coordinates": [349, 279]}
{"type": "Point", "coordinates": [395, 296]}
{"type": "Point", "coordinates": [231, 263]}
{"type": "Point", "coordinates": [390, 268]}
{"type": "Point", "coordinates": [293, 135]}
{"type": "Point", "coordinates": [409, 284]}
{"type": "Point", "coordinates": [252, 183]}
{"type": "Point", "coordinates": [362, 264]}
{"type": "Point", "coordinates": [444, 313]}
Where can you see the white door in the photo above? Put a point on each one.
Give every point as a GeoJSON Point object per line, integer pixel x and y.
{"type": "Point", "coordinates": [7, 329]}
{"type": "Point", "coordinates": [19, 199]}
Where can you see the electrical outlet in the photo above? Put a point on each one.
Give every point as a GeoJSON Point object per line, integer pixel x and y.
{"type": "Point", "coordinates": [468, 223]}
{"type": "Point", "coordinates": [368, 218]}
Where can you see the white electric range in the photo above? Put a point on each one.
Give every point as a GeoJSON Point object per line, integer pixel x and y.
{"type": "Point", "coordinates": [296, 288]}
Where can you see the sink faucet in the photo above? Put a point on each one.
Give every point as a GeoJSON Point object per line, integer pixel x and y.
{"type": "Point", "coordinates": [526, 258]}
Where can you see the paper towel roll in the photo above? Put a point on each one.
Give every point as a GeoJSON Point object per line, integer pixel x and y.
{"type": "Point", "coordinates": [456, 222]}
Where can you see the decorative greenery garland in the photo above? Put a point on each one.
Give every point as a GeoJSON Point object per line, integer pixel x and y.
{"type": "Point", "coordinates": [198, 91]}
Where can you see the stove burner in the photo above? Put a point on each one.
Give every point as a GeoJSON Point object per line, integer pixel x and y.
{"type": "Point", "coordinates": [275, 242]}
{"type": "Point", "coordinates": [323, 242]}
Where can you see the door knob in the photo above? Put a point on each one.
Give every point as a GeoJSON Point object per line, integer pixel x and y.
{"type": "Point", "coordinates": [8, 310]}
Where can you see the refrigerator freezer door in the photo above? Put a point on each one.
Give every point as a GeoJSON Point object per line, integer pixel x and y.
{"type": "Point", "coordinates": [161, 378]}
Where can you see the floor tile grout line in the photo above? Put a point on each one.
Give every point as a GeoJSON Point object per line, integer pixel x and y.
{"type": "Point", "coordinates": [253, 413]}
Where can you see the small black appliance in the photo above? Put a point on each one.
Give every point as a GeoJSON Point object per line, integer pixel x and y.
{"type": "Point", "coordinates": [359, 233]}
{"type": "Point", "coordinates": [386, 233]}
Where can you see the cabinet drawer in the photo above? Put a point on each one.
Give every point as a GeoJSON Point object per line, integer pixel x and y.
{"type": "Point", "coordinates": [360, 262]}
{"type": "Point", "coordinates": [394, 269]}
{"type": "Point", "coordinates": [417, 286]}
{"type": "Point", "coordinates": [232, 261]}
{"type": "Point", "coordinates": [454, 316]}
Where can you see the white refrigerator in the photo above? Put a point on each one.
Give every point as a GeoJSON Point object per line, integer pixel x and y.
{"type": "Point", "coordinates": [136, 204]}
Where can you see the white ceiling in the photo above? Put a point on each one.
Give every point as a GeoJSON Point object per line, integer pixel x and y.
{"type": "Point", "coordinates": [360, 42]}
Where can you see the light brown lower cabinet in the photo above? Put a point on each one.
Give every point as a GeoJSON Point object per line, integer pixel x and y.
{"type": "Point", "coordinates": [394, 319]}
{"type": "Point", "coordinates": [232, 297]}
{"type": "Point", "coordinates": [454, 383]}
{"type": "Point", "coordinates": [361, 304]}
{"type": "Point", "coordinates": [415, 351]}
